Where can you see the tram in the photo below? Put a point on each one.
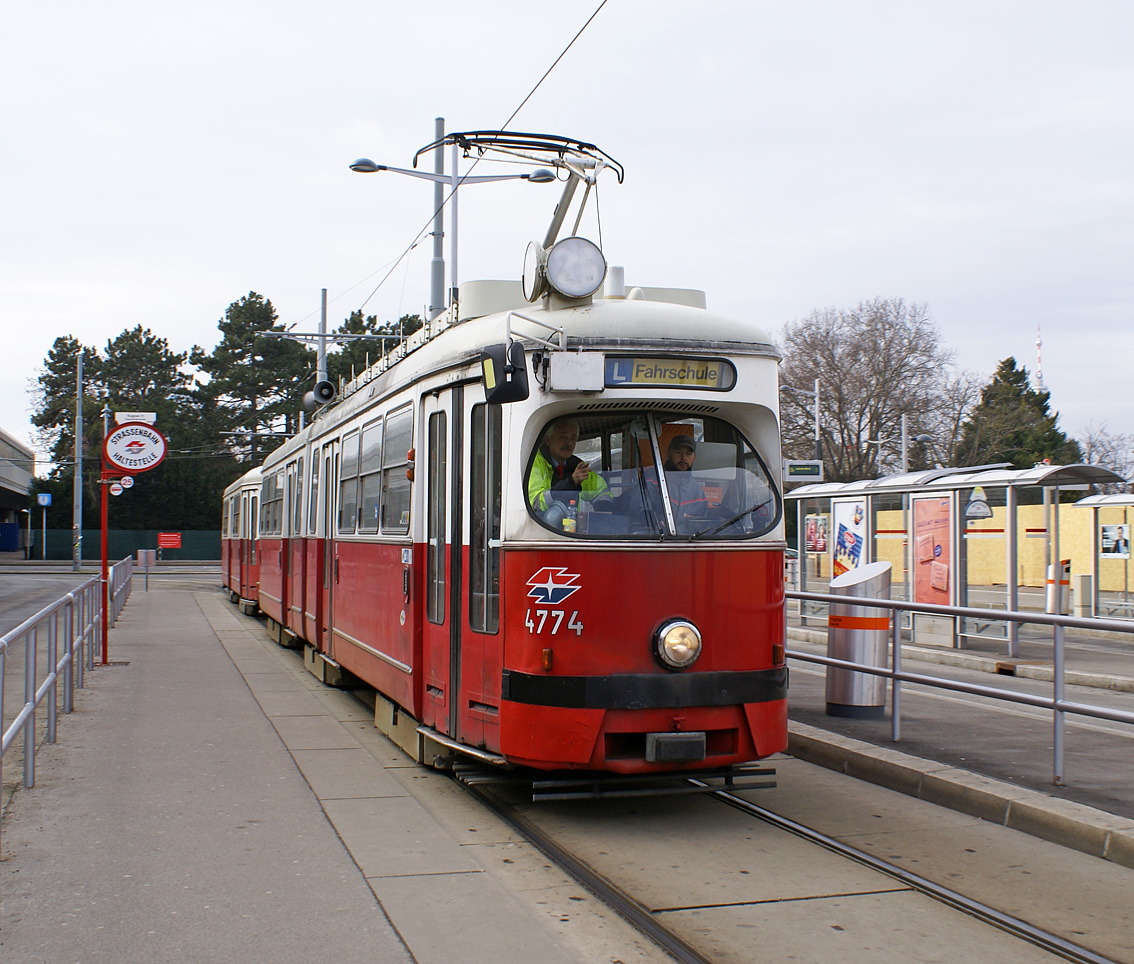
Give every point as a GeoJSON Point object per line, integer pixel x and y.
{"type": "Point", "coordinates": [240, 514]}
{"type": "Point", "coordinates": [547, 529]}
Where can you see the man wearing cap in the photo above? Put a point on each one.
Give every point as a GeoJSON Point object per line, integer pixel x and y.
{"type": "Point", "coordinates": [686, 496]}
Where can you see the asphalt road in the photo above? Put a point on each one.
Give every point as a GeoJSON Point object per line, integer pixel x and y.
{"type": "Point", "coordinates": [25, 594]}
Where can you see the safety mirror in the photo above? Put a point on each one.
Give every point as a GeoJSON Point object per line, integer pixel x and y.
{"type": "Point", "coordinates": [505, 373]}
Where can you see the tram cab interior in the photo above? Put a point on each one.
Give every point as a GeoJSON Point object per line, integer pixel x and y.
{"type": "Point", "coordinates": [727, 491]}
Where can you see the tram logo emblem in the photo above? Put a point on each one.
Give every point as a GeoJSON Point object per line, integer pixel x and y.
{"type": "Point", "coordinates": [551, 585]}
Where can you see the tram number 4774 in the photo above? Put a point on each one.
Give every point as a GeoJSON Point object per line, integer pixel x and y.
{"type": "Point", "coordinates": [536, 625]}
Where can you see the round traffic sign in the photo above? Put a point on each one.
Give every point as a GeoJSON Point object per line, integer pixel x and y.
{"type": "Point", "coordinates": [134, 447]}
{"type": "Point", "coordinates": [127, 481]}
{"type": "Point", "coordinates": [116, 488]}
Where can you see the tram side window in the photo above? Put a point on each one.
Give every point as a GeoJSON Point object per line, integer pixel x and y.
{"type": "Point", "coordinates": [277, 512]}
{"type": "Point", "coordinates": [271, 504]}
{"type": "Point", "coordinates": [224, 518]}
{"type": "Point", "coordinates": [313, 505]}
{"type": "Point", "coordinates": [650, 474]}
{"type": "Point", "coordinates": [265, 502]}
{"type": "Point", "coordinates": [370, 476]}
{"type": "Point", "coordinates": [348, 486]}
{"type": "Point", "coordinates": [435, 552]}
{"type": "Point", "coordinates": [395, 463]}
{"type": "Point", "coordinates": [297, 502]}
{"type": "Point", "coordinates": [484, 519]}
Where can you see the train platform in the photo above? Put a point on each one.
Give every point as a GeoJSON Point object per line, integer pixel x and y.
{"type": "Point", "coordinates": [209, 798]}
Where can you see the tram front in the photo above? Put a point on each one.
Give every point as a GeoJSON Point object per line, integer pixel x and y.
{"type": "Point", "coordinates": [642, 586]}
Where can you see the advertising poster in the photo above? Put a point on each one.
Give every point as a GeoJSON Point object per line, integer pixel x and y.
{"type": "Point", "coordinates": [850, 535]}
{"type": "Point", "coordinates": [1114, 542]}
{"type": "Point", "coordinates": [815, 530]}
{"type": "Point", "coordinates": [932, 520]}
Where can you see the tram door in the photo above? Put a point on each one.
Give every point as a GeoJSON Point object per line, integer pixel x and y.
{"type": "Point", "coordinates": [293, 575]}
{"type": "Point", "coordinates": [460, 641]}
{"type": "Point", "coordinates": [441, 625]}
{"type": "Point", "coordinates": [330, 457]}
{"type": "Point", "coordinates": [251, 522]}
{"type": "Point", "coordinates": [481, 652]}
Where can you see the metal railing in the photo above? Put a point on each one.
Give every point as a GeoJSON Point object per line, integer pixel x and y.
{"type": "Point", "coordinates": [1057, 703]}
{"type": "Point", "coordinates": [68, 633]}
{"type": "Point", "coordinates": [121, 583]}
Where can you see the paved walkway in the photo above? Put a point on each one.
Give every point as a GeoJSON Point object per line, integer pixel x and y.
{"type": "Point", "coordinates": [210, 801]}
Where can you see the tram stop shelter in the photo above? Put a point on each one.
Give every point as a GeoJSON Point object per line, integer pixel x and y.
{"type": "Point", "coordinates": [1111, 593]}
{"type": "Point", "coordinates": [985, 537]}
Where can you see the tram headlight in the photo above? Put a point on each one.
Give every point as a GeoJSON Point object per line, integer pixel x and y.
{"type": "Point", "coordinates": [677, 644]}
{"type": "Point", "coordinates": [575, 267]}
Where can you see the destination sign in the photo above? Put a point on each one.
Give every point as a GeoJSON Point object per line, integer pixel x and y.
{"type": "Point", "coordinates": [714, 374]}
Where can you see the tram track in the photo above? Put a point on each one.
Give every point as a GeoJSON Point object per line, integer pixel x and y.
{"type": "Point", "coordinates": [504, 795]}
{"type": "Point", "coordinates": [647, 922]}
{"type": "Point", "coordinates": [974, 908]}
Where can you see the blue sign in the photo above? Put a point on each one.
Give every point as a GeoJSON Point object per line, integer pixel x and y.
{"type": "Point", "coordinates": [44, 498]}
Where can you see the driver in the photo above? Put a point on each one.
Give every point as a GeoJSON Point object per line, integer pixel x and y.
{"type": "Point", "coordinates": [558, 475]}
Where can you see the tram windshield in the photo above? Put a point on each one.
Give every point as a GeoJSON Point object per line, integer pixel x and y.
{"type": "Point", "coordinates": [712, 483]}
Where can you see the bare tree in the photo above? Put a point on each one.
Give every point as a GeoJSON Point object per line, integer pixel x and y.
{"type": "Point", "coordinates": [875, 363]}
{"type": "Point", "coordinates": [960, 393]}
{"type": "Point", "coordinates": [1112, 450]}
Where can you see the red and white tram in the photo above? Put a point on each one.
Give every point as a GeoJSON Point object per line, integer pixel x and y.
{"type": "Point", "coordinates": [240, 514]}
{"type": "Point", "coordinates": [434, 535]}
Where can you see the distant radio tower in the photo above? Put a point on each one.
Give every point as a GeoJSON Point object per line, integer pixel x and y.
{"type": "Point", "coordinates": [1040, 387]}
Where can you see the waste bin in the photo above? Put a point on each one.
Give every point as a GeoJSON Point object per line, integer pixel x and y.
{"type": "Point", "coordinates": [858, 634]}
{"type": "Point", "coordinates": [1058, 596]}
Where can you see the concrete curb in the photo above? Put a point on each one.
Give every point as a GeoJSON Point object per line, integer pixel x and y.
{"type": "Point", "coordinates": [1072, 825]}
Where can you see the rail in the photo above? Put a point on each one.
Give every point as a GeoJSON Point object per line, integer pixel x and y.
{"type": "Point", "coordinates": [1059, 705]}
{"type": "Point", "coordinates": [68, 633]}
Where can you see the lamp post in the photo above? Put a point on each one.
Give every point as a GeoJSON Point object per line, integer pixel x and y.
{"type": "Point", "coordinates": [814, 394]}
{"type": "Point", "coordinates": [27, 542]}
{"type": "Point", "coordinates": [439, 178]}
{"type": "Point", "coordinates": [905, 440]}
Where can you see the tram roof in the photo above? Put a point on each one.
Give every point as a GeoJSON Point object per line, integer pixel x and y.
{"type": "Point", "coordinates": [963, 477]}
{"type": "Point", "coordinates": [250, 478]}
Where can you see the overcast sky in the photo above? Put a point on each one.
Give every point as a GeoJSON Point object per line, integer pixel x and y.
{"type": "Point", "coordinates": [161, 161]}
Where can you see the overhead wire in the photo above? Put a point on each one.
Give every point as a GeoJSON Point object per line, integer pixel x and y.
{"type": "Point", "coordinates": [423, 231]}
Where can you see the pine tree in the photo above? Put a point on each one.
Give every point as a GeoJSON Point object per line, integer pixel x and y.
{"type": "Point", "coordinates": [256, 383]}
{"type": "Point", "coordinates": [1012, 423]}
{"type": "Point", "coordinates": [357, 354]}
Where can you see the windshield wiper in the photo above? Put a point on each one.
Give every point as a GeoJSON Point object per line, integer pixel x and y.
{"type": "Point", "coordinates": [728, 522]}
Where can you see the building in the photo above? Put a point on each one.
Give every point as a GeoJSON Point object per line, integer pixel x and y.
{"type": "Point", "coordinates": [17, 468]}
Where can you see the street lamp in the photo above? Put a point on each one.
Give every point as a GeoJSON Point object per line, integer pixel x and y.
{"type": "Point", "coordinates": [28, 543]}
{"type": "Point", "coordinates": [905, 439]}
{"type": "Point", "coordinates": [815, 395]}
{"type": "Point", "coordinates": [366, 166]}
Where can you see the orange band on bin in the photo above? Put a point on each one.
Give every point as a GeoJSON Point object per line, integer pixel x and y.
{"type": "Point", "coordinates": [858, 622]}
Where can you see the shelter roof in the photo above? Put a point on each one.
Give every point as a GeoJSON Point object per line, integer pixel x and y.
{"type": "Point", "coordinates": [965, 477]}
{"type": "Point", "coordinates": [1102, 501]}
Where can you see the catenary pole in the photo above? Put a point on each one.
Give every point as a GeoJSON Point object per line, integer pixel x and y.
{"type": "Point", "coordinates": [77, 497]}
{"type": "Point", "coordinates": [437, 265]}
